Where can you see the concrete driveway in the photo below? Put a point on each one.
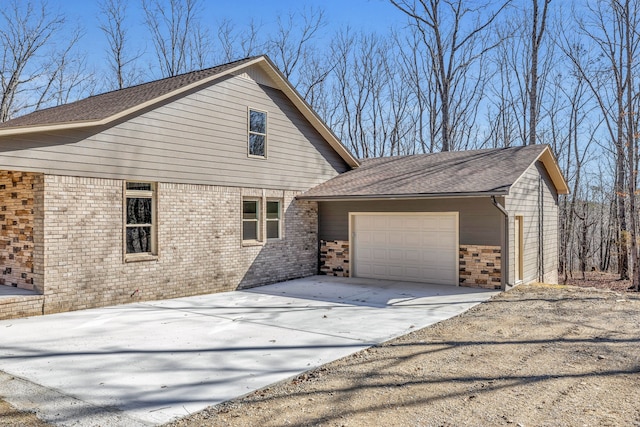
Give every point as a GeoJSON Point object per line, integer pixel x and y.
{"type": "Point", "coordinates": [150, 363]}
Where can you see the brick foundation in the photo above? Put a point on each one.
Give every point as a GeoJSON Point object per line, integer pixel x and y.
{"type": "Point", "coordinates": [20, 306]}
{"type": "Point", "coordinates": [334, 258]}
{"type": "Point", "coordinates": [17, 196]}
{"type": "Point", "coordinates": [480, 266]}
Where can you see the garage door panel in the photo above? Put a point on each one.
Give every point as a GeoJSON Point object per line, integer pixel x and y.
{"type": "Point", "coordinates": [396, 223]}
{"type": "Point", "coordinates": [430, 224]}
{"type": "Point", "coordinates": [379, 270]}
{"type": "Point", "coordinates": [380, 238]}
{"type": "Point", "coordinates": [396, 239]}
{"type": "Point", "coordinates": [378, 222]}
{"type": "Point", "coordinates": [411, 224]}
{"type": "Point", "coordinates": [364, 255]}
{"type": "Point", "coordinates": [379, 255]}
{"type": "Point", "coordinates": [412, 256]}
{"type": "Point", "coordinates": [394, 270]}
{"type": "Point", "coordinates": [395, 255]}
{"type": "Point", "coordinates": [413, 239]}
{"type": "Point", "coordinates": [414, 247]}
{"type": "Point", "coordinates": [366, 237]}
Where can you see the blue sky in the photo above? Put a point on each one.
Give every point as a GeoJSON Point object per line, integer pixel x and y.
{"type": "Point", "coordinates": [367, 15]}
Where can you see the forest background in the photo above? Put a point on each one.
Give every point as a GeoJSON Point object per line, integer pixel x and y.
{"type": "Point", "coordinates": [390, 77]}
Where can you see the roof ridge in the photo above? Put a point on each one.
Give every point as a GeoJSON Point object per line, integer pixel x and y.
{"type": "Point", "coordinates": [437, 153]}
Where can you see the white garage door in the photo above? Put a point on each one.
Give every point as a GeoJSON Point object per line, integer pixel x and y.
{"type": "Point", "coordinates": [417, 247]}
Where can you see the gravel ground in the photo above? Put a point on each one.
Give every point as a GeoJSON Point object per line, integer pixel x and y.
{"type": "Point", "coordinates": [538, 355]}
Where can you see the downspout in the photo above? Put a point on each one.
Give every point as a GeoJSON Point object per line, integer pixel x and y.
{"type": "Point", "coordinates": [504, 256]}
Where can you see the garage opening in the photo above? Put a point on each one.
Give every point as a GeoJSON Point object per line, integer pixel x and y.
{"type": "Point", "coordinates": [408, 246]}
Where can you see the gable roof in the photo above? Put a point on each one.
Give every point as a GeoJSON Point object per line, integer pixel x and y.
{"type": "Point", "coordinates": [106, 108]}
{"type": "Point", "coordinates": [489, 172]}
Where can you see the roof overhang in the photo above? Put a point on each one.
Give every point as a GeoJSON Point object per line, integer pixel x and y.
{"type": "Point", "coordinates": [401, 196]}
{"type": "Point", "coordinates": [262, 61]}
{"type": "Point", "coordinates": [555, 174]}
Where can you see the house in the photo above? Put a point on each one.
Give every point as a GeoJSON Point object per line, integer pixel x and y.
{"type": "Point", "coordinates": [177, 187]}
{"type": "Point", "coordinates": [225, 178]}
{"type": "Point", "coordinates": [445, 218]}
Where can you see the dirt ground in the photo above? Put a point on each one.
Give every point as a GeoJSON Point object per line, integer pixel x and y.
{"type": "Point", "coordinates": [537, 355]}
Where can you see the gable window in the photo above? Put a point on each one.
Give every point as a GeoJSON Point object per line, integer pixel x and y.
{"type": "Point", "coordinates": [257, 133]}
{"type": "Point", "coordinates": [251, 219]}
{"type": "Point", "coordinates": [140, 218]}
{"type": "Point", "coordinates": [273, 219]}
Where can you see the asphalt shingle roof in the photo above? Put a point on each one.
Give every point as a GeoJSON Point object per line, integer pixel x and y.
{"type": "Point", "coordinates": [105, 105]}
{"type": "Point", "coordinates": [476, 172]}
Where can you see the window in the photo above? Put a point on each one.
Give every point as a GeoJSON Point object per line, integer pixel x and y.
{"type": "Point", "coordinates": [261, 220]}
{"type": "Point", "coordinates": [257, 133]}
{"type": "Point", "coordinates": [140, 218]}
{"type": "Point", "coordinates": [250, 220]}
{"type": "Point", "coordinates": [273, 219]}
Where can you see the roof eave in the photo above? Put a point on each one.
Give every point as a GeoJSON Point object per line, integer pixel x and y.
{"type": "Point", "coordinates": [551, 165]}
{"type": "Point", "coordinates": [98, 122]}
{"type": "Point", "coordinates": [415, 196]}
{"type": "Point", "coordinates": [21, 130]}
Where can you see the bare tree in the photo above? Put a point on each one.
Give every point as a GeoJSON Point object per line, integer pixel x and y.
{"type": "Point", "coordinates": [455, 38]}
{"type": "Point", "coordinates": [611, 74]}
{"type": "Point", "coordinates": [538, 26]}
{"type": "Point", "coordinates": [418, 79]}
{"type": "Point", "coordinates": [29, 62]}
{"type": "Point", "coordinates": [69, 78]}
{"type": "Point", "coordinates": [239, 43]}
{"type": "Point", "coordinates": [172, 25]}
{"type": "Point", "coordinates": [292, 47]}
{"type": "Point", "coordinates": [122, 61]}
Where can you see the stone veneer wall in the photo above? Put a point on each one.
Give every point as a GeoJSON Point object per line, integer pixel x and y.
{"type": "Point", "coordinates": [334, 258]}
{"type": "Point", "coordinates": [17, 195]}
{"type": "Point", "coordinates": [199, 244]}
{"type": "Point", "coordinates": [480, 266]}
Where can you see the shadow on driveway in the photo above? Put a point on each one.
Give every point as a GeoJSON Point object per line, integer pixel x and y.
{"type": "Point", "coordinates": [150, 363]}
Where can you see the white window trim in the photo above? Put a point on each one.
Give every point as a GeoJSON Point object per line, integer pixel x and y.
{"type": "Point", "coordinates": [258, 221]}
{"type": "Point", "coordinates": [153, 195]}
{"type": "Point", "coordinates": [279, 220]}
{"type": "Point", "coordinates": [249, 133]}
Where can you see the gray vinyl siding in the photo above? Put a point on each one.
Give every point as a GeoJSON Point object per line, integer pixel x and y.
{"type": "Point", "coordinates": [479, 221]}
{"type": "Point", "coordinates": [523, 200]}
{"type": "Point", "coordinates": [200, 138]}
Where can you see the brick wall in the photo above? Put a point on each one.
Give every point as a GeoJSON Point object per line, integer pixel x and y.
{"type": "Point", "coordinates": [17, 232]}
{"type": "Point", "coordinates": [334, 258]}
{"type": "Point", "coordinates": [199, 244]}
{"type": "Point", "coordinates": [20, 306]}
{"type": "Point", "coordinates": [480, 266]}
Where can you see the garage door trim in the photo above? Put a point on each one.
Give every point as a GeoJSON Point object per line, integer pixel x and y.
{"type": "Point", "coordinates": [352, 242]}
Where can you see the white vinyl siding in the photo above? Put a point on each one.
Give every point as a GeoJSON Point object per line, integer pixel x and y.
{"type": "Point", "coordinates": [524, 200]}
{"type": "Point", "coordinates": [200, 138]}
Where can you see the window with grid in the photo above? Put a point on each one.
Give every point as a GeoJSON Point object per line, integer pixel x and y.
{"type": "Point", "coordinates": [257, 133]}
{"type": "Point", "coordinates": [273, 219]}
{"type": "Point", "coordinates": [140, 218]}
{"type": "Point", "coordinates": [251, 219]}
